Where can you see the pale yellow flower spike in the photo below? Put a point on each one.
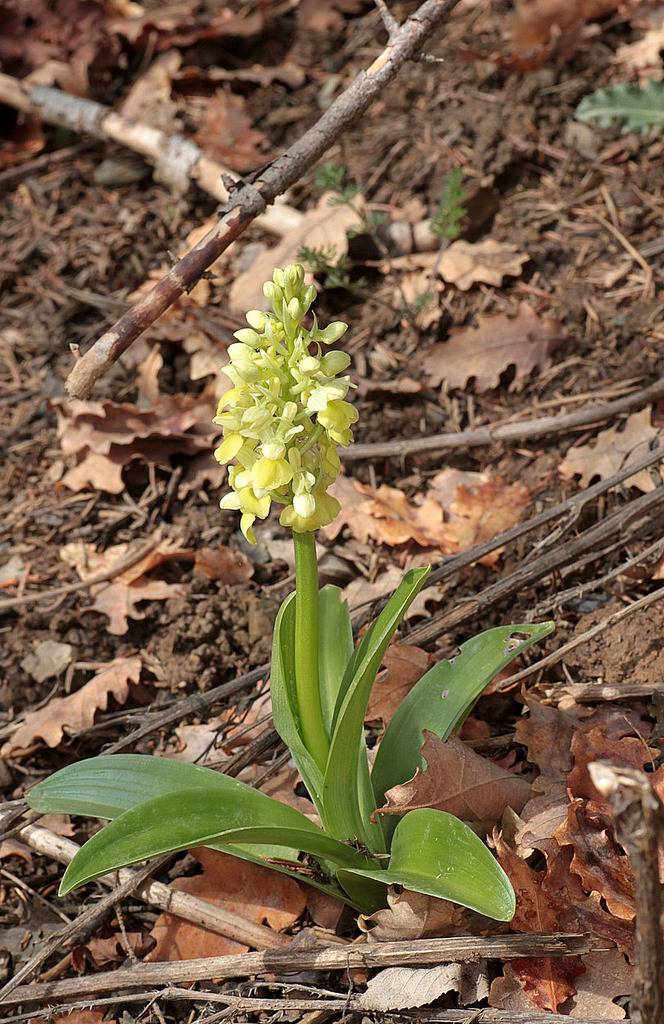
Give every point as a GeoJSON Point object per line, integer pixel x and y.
{"type": "Point", "coordinates": [286, 412]}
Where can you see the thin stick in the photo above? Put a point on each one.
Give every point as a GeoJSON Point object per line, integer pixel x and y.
{"type": "Point", "coordinates": [327, 958]}
{"type": "Point", "coordinates": [178, 161]}
{"type": "Point", "coordinates": [639, 818]}
{"type": "Point", "coordinates": [250, 200]}
{"type": "Point", "coordinates": [582, 638]}
{"type": "Point", "coordinates": [522, 430]}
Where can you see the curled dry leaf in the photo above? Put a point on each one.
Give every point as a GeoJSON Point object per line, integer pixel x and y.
{"type": "Point", "coordinates": [613, 450]}
{"type": "Point", "coordinates": [525, 342]}
{"type": "Point", "coordinates": [75, 713]}
{"type": "Point", "coordinates": [459, 781]}
{"type": "Point", "coordinates": [488, 262]}
{"type": "Point", "coordinates": [324, 225]}
{"type": "Point", "coordinates": [254, 892]}
{"type": "Point", "coordinates": [595, 745]}
{"type": "Point", "coordinates": [400, 988]}
{"type": "Point", "coordinates": [458, 511]}
{"type": "Point", "coordinates": [412, 915]}
{"type": "Point", "coordinates": [103, 437]}
{"type": "Point", "coordinates": [227, 134]}
{"type": "Point", "coordinates": [644, 57]}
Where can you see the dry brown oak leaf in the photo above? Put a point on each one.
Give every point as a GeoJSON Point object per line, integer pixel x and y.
{"type": "Point", "coordinates": [412, 915]}
{"type": "Point", "coordinates": [255, 893]}
{"type": "Point", "coordinates": [403, 665]}
{"type": "Point", "coordinates": [458, 511]}
{"type": "Point", "coordinates": [119, 597]}
{"type": "Point", "coordinates": [488, 262]}
{"type": "Point", "coordinates": [612, 450]}
{"type": "Point", "coordinates": [75, 713]}
{"type": "Point", "coordinates": [102, 437]}
{"type": "Point", "coordinates": [459, 781]}
{"type": "Point", "coordinates": [547, 981]}
{"type": "Point", "coordinates": [483, 353]}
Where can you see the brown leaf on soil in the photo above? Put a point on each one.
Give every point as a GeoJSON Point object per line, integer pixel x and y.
{"type": "Point", "coordinates": [613, 450]}
{"type": "Point", "coordinates": [535, 21]}
{"type": "Point", "coordinates": [488, 262]}
{"type": "Point", "coordinates": [103, 437]}
{"type": "Point", "coordinates": [324, 225]}
{"type": "Point", "coordinates": [525, 341]}
{"type": "Point", "coordinates": [608, 975]}
{"type": "Point", "coordinates": [254, 892]}
{"type": "Point", "coordinates": [548, 982]}
{"type": "Point", "coordinates": [149, 98]}
{"type": "Point", "coordinates": [547, 734]}
{"type": "Point", "coordinates": [118, 598]}
{"type": "Point", "coordinates": [459, 510]}
{"type": "Point", "coordinates": [544, 813]}
{"type": "Point", "coordinates": [75, 713]}
{"type": "Point", "coordinates": [112, 950]}
{"type": "Point", "coordinates": [312, 16]}
{"type": "Point", "coordinates": [400, 988]}
{"type": "Point", "coordinates": [185, 23]}
{"type": "Point", "coordinates": [412, 915]}
{"type": "Point", "coordinates": [594, 745]}
{"type": "Point", "coordinates": [227, 135]}
{"type": "Point", "coordinates": [223, 563]}
{"type": "Point", "coordinates": [459, 781]}
{"type": "Point", "coordinates": [644, 57]}
{"type": "Point", "coordinates": [403, 665]}
{"type": "Point", "coordinates": [597, 859]}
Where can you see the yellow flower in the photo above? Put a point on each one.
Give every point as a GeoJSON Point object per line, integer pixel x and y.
{"type": "Point", "coordinates": [286, 412]}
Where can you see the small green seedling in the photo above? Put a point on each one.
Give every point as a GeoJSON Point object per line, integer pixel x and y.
{"type": "Point", "coordinates": [634, 107]}
{"type": "Point", "coordinates": [446, 221]}
{"type": "Point", "coordinates": [282, 421]}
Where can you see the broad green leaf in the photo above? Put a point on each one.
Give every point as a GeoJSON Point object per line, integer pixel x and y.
{"type": "Point", "coordinates": [435, 853]}
{"type": "Point", "coordinates": [284, 701]}
{"type": "Point", "coordinates": [637, 107]}
{"type": "Point", "coordinates": [443, 698]}
{"type": "Point", "coordinates": [335, 647]}
{"type": "Point", "coordinates": [347, 793]}
{"type": "Point", "coordinates": [201, 817]}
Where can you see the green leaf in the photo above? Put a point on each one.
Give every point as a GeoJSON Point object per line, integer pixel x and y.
{"type": "Point", "coordinates": [335, 647]}
{"type": "Point", "coordinates": [285, 713]}
{"type": "Point", "coordinates": [435, 853]}
{"type": "Point", "coordinates": [636, 107]}
{"type": "Point", "coordinates": [443, 698]}
{"type": "Point", "coordinates": [347, 793]}
{"type": "Point", "coordinates": [200, 817]}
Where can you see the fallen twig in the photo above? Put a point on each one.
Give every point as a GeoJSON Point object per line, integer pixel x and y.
{"type": "Point", "coordinates": [522, 430]}
{"type": "Point", "coordinates": [639, 818]}
{"type": "Point", "coordinates": [250, 200]}
{"type": "Point", "coordinates": [328, 958]}
{"type": "Point", "coordinates": [177, 161]}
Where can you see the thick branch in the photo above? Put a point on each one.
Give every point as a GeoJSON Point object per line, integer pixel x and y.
{"type": "Point", "coordinates": [418, 953]}
{"type": "Point", "coordinates": [177, 161]}
{"type": "Point", "coordinates": [251, 200]}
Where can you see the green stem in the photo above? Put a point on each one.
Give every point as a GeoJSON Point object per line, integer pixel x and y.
{"type": "Point", "coordinates": [307, 684]}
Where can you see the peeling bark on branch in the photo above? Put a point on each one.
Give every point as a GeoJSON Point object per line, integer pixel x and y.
{"type": "Point", "coordinates": [251, 200]}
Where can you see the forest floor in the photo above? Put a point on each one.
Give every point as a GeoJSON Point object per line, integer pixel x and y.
{"type": "Point", "coordinates": [547, 304]}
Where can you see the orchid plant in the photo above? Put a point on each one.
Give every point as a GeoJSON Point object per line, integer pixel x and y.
{"type": "Point", "coordinates": [282, 421]}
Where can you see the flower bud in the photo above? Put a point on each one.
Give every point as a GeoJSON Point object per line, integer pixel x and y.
{"type": "Point", "coordinates": [247, 337]}
{"type": "Point", "coordinates": [333, 332]}
{"type": "Point", "coordinates": [335, 362]}
{"type": "Point", "coordinates": [257, 318]}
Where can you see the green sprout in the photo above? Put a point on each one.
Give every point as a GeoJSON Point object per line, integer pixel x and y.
{"type": "Point", "coordinates": [282, 421]}
{"type": "Point", "coordinates": [446, 222]}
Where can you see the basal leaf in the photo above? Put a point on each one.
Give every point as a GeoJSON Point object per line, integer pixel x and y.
{"type": "Point", "coordinates": [443, 698]}
{"type": "Point", "coordinates": [347, 794]}
{"type": "Point", "coordinates": [200, 817]}
{"type": "Point", "coordinates": [435, 853]}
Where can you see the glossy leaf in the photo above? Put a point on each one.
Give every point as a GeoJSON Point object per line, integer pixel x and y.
{"type": "Point", "coordinates": [443, 698]}
{"type": "Point", "coordinates": [284, 701]}
{"type": "Point", "coordinates": [347, 793]}
{"type": "Point", "coordinates": [335, 647]}
{"type": "Point", "coordinates": [435, 853]}
{"type": "Point", "coordinates": [200, 817]}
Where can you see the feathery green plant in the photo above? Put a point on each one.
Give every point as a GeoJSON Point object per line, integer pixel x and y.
{"type": "Point", "coordinates": [634, 107]}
